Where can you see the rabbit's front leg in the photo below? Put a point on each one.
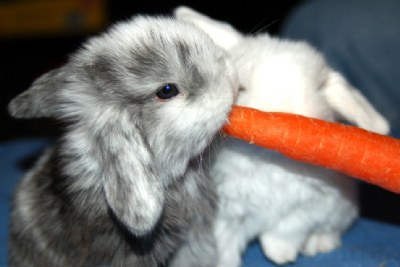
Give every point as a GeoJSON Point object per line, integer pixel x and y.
{"type": "Point", "coordinates": [230, 243]}
{"type": "Point", "coordinates": [283, 243]}
{"type": "Point", "coordinates": [199, 200]}
{"type": "Point", "coordinates": [199, 251]}
{"type": "Point", "coordinates": [321, 242]}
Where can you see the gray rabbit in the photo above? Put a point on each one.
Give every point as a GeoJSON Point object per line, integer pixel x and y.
{"type": "Point", "coordinates": [123, 185]}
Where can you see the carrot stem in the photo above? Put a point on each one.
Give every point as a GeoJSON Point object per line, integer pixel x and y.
{"type": "Point", "coordinates": [368, 156]}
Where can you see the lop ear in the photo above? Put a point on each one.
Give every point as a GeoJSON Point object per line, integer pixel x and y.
{"type": "Point", "coordinates": [133, 189]}
{"type": "Point", "coordinates": [350, 104]}
{"type": "Point", "coordinates": [39, 100]}
{"type": "Point", "coordinates": [222, 33]}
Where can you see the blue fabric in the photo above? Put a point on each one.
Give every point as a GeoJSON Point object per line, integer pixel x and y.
{"type": "Point", "coordinates": [368, 244]}
{"type": "Point", "coordinates": [361, 39]}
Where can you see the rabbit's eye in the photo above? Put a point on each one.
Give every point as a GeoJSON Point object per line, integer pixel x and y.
{"type": "Point", "coordinates": [167, 91]}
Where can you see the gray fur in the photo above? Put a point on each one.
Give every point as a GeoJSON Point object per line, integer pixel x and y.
{"type": "Point", "coordinates": [123, 186]}
{"type": "Point", "coordinates": [37, 102]}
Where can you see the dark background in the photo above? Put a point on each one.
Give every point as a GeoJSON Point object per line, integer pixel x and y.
{"type": "Point", "coordinates": [24, 58]}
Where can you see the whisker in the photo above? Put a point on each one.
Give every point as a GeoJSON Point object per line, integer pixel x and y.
{"type": "Point", "coordinates": [254, 31]}
{"type": "Point", "coordinates": [200, 162]}
{"type": "Point", "coordinates": [267, 26]}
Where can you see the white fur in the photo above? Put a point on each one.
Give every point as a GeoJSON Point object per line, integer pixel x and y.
{"type": "Point", "coordinates": [289, 206]}
{"type": "Point", "coordinates": [224, 35]}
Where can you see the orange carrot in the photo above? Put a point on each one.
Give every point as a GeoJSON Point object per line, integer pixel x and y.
{"type": "Point", "coordinates": [371, 157]}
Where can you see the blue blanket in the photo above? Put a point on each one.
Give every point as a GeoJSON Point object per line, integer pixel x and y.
{"type": "Point", "coordinates": [369, 243]}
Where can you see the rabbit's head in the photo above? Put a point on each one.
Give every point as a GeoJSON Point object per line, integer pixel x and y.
{"type": "Point", "coordinates": [287, 76]}
{"type": "Point", "coordinates": [141, 100]}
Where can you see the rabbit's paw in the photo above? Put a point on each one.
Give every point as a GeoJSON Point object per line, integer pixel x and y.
{"type": "Point", "coordinates": [321, 243]}
{"type": "Point", "coordinates": [279, 250]}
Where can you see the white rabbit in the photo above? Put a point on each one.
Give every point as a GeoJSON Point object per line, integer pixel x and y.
{"type": "Point", "coordinates": [289, 206]}
{"type": "Point", "coordinates": [123, 186]}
